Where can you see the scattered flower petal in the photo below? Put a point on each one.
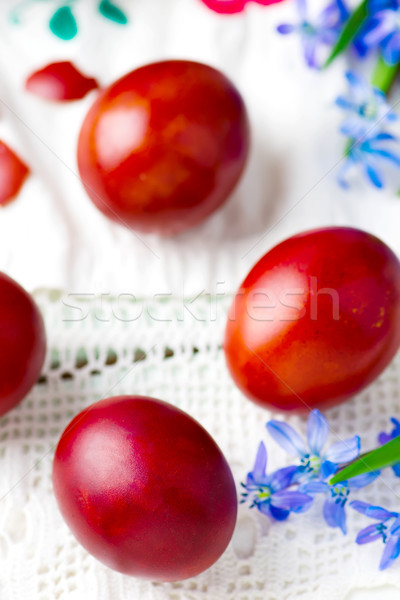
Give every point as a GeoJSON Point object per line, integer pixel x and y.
{"type": "Point", "coordinates": [112, 12]}
{"type": "Point", "coordinates": [230, 7]}
{"type": "Point", "coordinates": [60, 81]}
{"type": "Point", "coordinates": [13, 173]}
{"type": "Point", "coordinates": [63, 24]}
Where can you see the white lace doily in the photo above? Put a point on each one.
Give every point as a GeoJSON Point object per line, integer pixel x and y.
{"type": "Point", "coordinates": [171, 349]}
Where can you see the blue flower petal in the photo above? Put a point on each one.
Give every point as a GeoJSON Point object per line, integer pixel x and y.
{"type": "Point", "coordinates": [363, 480]}
{"type": "Point", "coordinates": [328, 468]}
{"type": "Point", "coordinates": [383, 135]}
{"type": "Point", "coordinates": [344, 103]}
{"type": "Point", "coordinates": [310, 48]}
{"type": "Point", "coordinates": [315, 487]}
{"type": "Point", "coordinates": [360, 506]}
{"type": "Point", "coordinates": [343, 452]}
{"type": "Point", "coordinates": [367, 110]}
{"type": "Point", "coordinates": [374, 176]}
{"type": "Point", "coordinates": [279, 514]}
{"type": "Point", "coordinates": [354, 80]}
{"type": "Point", "coordinates": [286, 437]}
{"type": "Point", "coordinates": [391, 49]}
{"type": "Point", "coordinates": [334, 514]}
{"type": "Point", "coordinates": [293, 501]}
{"type": "Point", "coordinates": [396, 469]}
{"type": "Point", "coordinates": [390, 553]}
{"type": "Point", "coordinates": [355, 128]}
{"type": "Point", "coordinates": [395, 528]}
{"type": "Point", "coordinates": [378, 94]}
{"type": "Point", "coordinates": [317, 431]}
{"type": "Point", "coordinates": [260, 464]}
{"type": "Point", "coordinates": [329, 13]}
{"type": "Point", "coordinates": [379, 29]}
{"type": "Point", "coordinates": [302, 9]}
{"type": "Point", "coordinates": [384, 438]}
{"type": "Point", "coordinates": [388, 155]}
{"type": "Point", "coordinates": [282, 478]}
{"type": "Point", "coordinates": [285, 28]}
{"type": "Point", "coordinates": [367, 535]}
{"type": "Point", "coordinates": [264, 508]}
{"type": "Point", "coordinates": [343, 10]}
{"type": "Point", "coordinates": [378, 513]}
{"type": "Point", "coordinates": [341, 178]}
{"type": "Point", "coordinates": [376, 5]}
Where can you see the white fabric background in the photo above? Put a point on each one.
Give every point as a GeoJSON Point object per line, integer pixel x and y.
{"type": "Point", "coordinates": [53, 237]}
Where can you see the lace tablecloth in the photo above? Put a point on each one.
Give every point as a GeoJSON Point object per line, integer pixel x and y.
{"type": "Point", "coordinates": [172, 350]}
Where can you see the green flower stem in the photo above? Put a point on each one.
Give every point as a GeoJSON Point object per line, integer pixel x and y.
{"type": "Point", "coordinates": [349, 32]}
{"type": "Point", "coordinates": [384, 75]}
{"type": "Point", "coordinates": [380, 458]}
{"type": "Point", "coordinates": [349, 144]}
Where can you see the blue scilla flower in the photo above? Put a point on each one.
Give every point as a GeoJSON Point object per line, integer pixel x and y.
{"type": "Point", "coordinates": [368, 153]}
{"type": "Point", "coordinates": [387, 529]}
{"type": "Point", "coordinates": [314, 462]}
{"type": "Point", "coordinates": [384, 438]}
{"type": "Point", "coordinates": [382, 29]}
{"type": "Point", "coordinates": [337, 495]}
{"type": "Point", "coordinates": [324, 30]}
{"type": "Point", "coordinates": [365, 106]}
{"type": "Point", "coordinates": [269, 493]}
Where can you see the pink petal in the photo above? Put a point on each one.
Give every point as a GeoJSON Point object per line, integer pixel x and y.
{"type": "Point", "coordinates": [266, 2]}
{"type": "Point", "coordinates": [226, 7]}
{"type": "Point", "coordinates": [234, 6]}
{"type": "Point", "coordinates": [61, 82]}
{"type": "Point", "coordinates": [13, 173]}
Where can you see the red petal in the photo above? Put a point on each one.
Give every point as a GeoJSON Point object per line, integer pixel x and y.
{"type": "Point", "coordinates": [13, 173]}
{"type": "Point", "coordinates": [60, 81]}
{"type": "Point", "coordinates": [226, 7]}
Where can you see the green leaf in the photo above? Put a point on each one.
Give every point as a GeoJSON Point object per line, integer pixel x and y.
{"type": "Point", "coordinates": [349, 32]}
{"type": "Point", "coordinates": [63, 23]}
{"type": "Point", "coordinates": [112, 12]}
{"type": "Point", "coordinates": [384, 75]}
{"type": "Point", "coordinates": [380, 458]}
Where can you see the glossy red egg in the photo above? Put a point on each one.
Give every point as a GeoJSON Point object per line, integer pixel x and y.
{"type": "Point", "coordinates": [163, 147]}
{"type": "Point", "coordinates": [144, 488]}
{"type": "Point", "coordinates": [22, 343]}
{"type": "Point", "coordinates": [316, 320]}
